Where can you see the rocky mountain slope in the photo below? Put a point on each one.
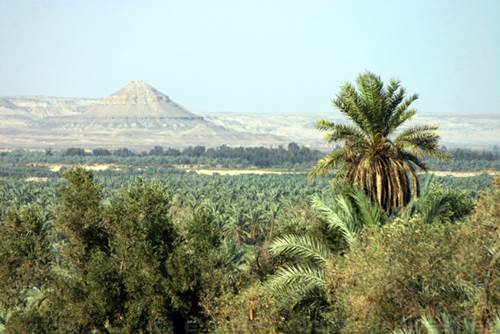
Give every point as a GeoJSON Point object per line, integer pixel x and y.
{"type": "Point", "coordinates": [139, 116]}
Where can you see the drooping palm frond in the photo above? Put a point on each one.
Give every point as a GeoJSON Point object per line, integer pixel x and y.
{"type": "Point", "coordinates": [416, 203]}
{"type": "Point", "coordinates": [429, 208]}
{"type": "Point", "coordinates": [329, 162]}
{"type": "Point", "coordinates": [404, 331]}
{"type": "Point", "coordinates": [436, 207]}
{"type": "Point", "coordinates": [429, 325]}
{"type": "Point", "coordinates": [349, 213]}
{"type": "Point", "coordinates": [413, 161]}
{"type": "Point", "coordinates": [301, 247]}
{"type": "Point", "coordinates": [325, 125]}
{"type": "Point", "coordinates": [443, 324]}
{"type": "Point", "coordinates": [339, 217]}
{"type": "Point", "coordinates": [421, 141]}
{"type": "Point", "coordinates": [296, 281]}
{"type": "Point", "coordinates": [341, 132]}
{"type": "Point", "coordinates": [496, 326]}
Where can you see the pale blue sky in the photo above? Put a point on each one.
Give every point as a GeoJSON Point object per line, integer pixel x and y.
{"type": "Point", "coordinates": [254, 56]}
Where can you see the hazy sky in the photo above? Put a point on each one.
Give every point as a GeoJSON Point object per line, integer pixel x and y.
{"type": "Point", "coordinates": [254, 56]}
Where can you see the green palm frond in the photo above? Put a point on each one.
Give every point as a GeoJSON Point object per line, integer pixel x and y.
{"type": "Point", "coordinates": [401, 114]}
{"type": "Point", "coordinates": [420, 144]}
{"type": "Point", "coordinates": [370, 213]}
{"type": "Point", "coordinates": [301, 247]}
{"type": "Point", "coordinates": [435, 208]}
{"type": "Point", "coordinates": [427, 207]}
{"type": "Point", "coordinates": [426, 188]}
{"type": "Point", "coordinates": [328, 162]}
{"type": "Point", "coordinates": [404, 331]}
{"type": "Point", "coordinates": [443, 324]}
{"type": "Point", "coordinates": [429, 325]}
{"type": "Point", "coordinates": [325, 125]}
{"type": "Point", "coordinates": [417, 202]}
{"type": "Point", "coordinates": [294, 282]}
{"type": "Point", "coordinates": [350, 103]}
{"type": "Point", "coordinates": [412, 158]}
{"type": "Point", "coordinates": [421, 141]}
{"type": "Point", "coordinates": [395, 94]}
{"type": "Point", "coordinates": [496, 326]}
{"type": "Point", "coordinates": [342, 132]}
{"type": "Point", "coordinates": [233, 256]}
{"type": "Point", "coordinates": [341, 217]}
{"type": "Point", "coordinates": [372, 92]}
{"type": "Point", "coordinates": [417, 129]}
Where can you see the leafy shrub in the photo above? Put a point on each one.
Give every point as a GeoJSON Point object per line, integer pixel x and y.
{"type": "Point", "coordinates": [404, 270]}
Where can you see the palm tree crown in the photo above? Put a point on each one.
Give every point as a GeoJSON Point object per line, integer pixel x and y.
{"type": "Point", "coordinates": [372, 155]}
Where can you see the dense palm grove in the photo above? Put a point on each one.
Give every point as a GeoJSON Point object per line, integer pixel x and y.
{"type": "Point", "coordinates": [150, 248]}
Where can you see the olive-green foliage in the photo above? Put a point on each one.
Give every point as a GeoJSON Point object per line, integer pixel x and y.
{"type": "Point", "coordinates": [407, 269]}
{"type": "Point", "coordinates": [77, 301]}
{"type": "Point", "coordinates": [25, 258]}
{"type": "Point", "coordinates": [24, 253]}
{"type": "Point", "coordinates": [118, 265]}
{"type": "Point", "coordinates": [78, 218]}
{"type": "Point", "coordinates": [141, 243]}
{"type": "Point", "coordinates": [195, 264]}
{"type": "Point", "coordinates": [233, 311]}
{"type": "Point", "coordinates": [310, 254]}
{"type": "Point", "coordinates": [109, 272]}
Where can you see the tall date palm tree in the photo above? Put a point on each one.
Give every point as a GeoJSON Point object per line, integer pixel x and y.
{"type": "Point", "coordinates": [374, 153]}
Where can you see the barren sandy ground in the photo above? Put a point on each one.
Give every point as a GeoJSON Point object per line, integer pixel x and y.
{"type": "Point", "coordinates": [35, 179]}
{"type": "Point", "coordinates": [92, 167]}
{"type": "Point", "coordinates": [464, 174]}
{"type": "Point", "coordinates": [233, 172]}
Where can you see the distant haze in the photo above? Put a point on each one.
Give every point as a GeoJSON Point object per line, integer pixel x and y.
{"type": "Point", "coordinates": [254, 56]}
{"type": "Point", "coordinates": [139, 116]}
